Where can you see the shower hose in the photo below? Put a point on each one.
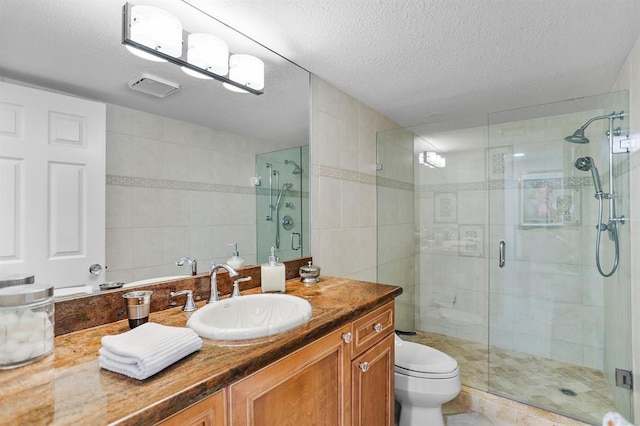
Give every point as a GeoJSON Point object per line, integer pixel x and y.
{"type": "Point", "coordinates": [613, 232]}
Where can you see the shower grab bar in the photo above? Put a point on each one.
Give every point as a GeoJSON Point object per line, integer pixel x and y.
{"type": "Point", "coordinates": [299, 241]}
{"type": "Point", "coordinates": [501, 252]}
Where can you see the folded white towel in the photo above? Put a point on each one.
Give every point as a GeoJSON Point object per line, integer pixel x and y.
{"type": "Point", "coordinates": [147, 349]}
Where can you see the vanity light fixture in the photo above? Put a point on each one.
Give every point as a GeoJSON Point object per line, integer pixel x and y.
{"type": "Point", "coordinates": [154, 34]}
{"type": "Point", "coordinates": [207, 52]}
{"type": "Point", "coordinates": [432, 159]}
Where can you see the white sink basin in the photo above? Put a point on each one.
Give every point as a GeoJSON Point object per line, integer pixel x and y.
{"type": "Point", "coordinates": [250, 317]}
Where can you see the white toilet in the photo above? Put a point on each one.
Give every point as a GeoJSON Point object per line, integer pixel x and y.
{"type": "Point", "coordinates": [425, 378]}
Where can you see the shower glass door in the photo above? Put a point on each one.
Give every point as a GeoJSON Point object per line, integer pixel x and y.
{"type": "Point", "coordinates": [282, 203]}
{"type": "Point", "coordinates": [558, 329]}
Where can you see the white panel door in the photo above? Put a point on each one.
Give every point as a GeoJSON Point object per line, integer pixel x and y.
{"type": "Point", "coordinates": [52, 186]}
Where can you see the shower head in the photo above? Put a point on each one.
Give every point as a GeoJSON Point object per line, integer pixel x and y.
{"type": "Point", "coordinates": [297, 170]}
{"type": "Point", "coordinates": [586, 164]}
{"type": "Point", "coordinates": [577, 137]}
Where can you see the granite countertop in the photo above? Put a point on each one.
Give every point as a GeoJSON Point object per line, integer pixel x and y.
{"type": "Point", "coordinates": [68, 386]}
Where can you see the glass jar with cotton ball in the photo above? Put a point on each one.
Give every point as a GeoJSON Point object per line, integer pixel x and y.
{"type": "Point", "coordinates": [26, 324]}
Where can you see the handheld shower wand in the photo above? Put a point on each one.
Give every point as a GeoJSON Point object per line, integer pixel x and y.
{"type": "Point", "coordinates": [587, 164]}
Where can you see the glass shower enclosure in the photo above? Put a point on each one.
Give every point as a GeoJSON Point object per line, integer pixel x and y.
{"type": "Point", "coordinates": [282, 203]}
{"type": "Point", "coordinates": [502, 251]}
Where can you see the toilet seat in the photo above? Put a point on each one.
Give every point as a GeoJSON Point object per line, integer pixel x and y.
{"type": "Point", "coordinates": [413, 359]}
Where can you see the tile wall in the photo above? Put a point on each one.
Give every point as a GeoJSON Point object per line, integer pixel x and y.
{"type": "Point", "coordinates": [175, 189]}
{"type": "Point", "coordinates": [343, 159]}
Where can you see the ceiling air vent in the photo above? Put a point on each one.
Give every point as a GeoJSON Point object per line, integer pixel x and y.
{"type": "Point", "coordinates": [153, 85]}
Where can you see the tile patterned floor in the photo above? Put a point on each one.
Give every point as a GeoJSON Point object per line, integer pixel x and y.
{"type": "Point", "coordinates": [533, 380]}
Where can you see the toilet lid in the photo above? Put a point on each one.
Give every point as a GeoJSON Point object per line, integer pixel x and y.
{"type": "Point", "coordinates": [415, 358]}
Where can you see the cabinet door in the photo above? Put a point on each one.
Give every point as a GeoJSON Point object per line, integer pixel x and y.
{"type": "Point", "coordinates": [208, 412]}
{"type": "Point", "coordinates": [372, 385]}
{"type": "Point", "coordinates": [308, 387]}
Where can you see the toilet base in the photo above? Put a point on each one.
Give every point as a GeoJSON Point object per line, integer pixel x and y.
{"type": "Point", "coordinates": [413, 416]}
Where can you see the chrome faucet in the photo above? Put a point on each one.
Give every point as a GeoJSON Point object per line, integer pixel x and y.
{"type": "Point", "coordinates": [213, 271]}
{"type": "Point", "coordinates": [192, 262]}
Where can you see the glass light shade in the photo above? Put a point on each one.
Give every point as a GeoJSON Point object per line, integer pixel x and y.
{"type": "Point", "coordinates": [207, 52]}
{"type": "Point", "coordinates": [156, 29]}
{"type": "Point", "coordinates": [247, 70]}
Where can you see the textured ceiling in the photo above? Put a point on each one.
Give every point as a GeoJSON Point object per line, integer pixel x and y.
{"type": "Point", "coordinates": [444, 63]}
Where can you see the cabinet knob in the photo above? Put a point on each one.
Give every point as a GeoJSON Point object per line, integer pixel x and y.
{"type": "Point", "coordinates": [347, 337]}
{"type": "Point", "coordinates": [377, 327]}
{"type": "Point", "coordinates": [364, 366]}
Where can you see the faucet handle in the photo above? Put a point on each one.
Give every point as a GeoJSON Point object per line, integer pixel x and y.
{"type": "Point", "coordinates": [189, 305]}
{"type": "Point", "coordinates": [236, 286]}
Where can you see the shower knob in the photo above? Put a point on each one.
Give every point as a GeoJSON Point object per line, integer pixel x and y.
{"type": "Point", "coordinates": [287, 222]}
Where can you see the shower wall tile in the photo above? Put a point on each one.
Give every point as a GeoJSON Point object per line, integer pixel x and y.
{"type": "Point", "coordinates": [175, 207]}
{"type": "Point", "coordinates": [367, 205]}
{"type": "Point", "coordinates": [202, 137]}
{"type": "Point", "coordinates": [146, 157]}
{"type": "Point", "coordinates": [119, 120]}
{"type": "Point", "coordinates": [175, 162]}
{"type": "Point", "coordinates": [119, 154]}
{"type": "Point", "coordinates": [349, 145]}
{"type": "Point", "coordinates": [330, 197]}
{"type": "Point", "coordinates": [329, 132]}
{"type": "Point", "coordinates": [147, 207]}
{"type": "Point", "coordinates": [472, 207]}
{"type": "Point", "coordinates": [119, 216]}
{"type": "Point", "coordinates": [147, 125]}
{"type": "Point", "coordinates": [349, 208]}
{"type": "Point", "coordinates": [147, 247]}
{"type": "Point", "coordinates": [119, 254]}
{"type": "Point", "coordinates": [175, 243]}
{"type": "Point", "coordinates": [200, 208]}
{"type": "Point", "coordinates": [201, 166]}
{"type": "Point", "coordinates": [566, 352]}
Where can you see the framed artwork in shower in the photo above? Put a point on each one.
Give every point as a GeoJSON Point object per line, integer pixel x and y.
{"type": "Point", "coordinates": [546, 199]}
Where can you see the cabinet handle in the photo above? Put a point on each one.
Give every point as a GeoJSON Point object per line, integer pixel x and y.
{"type": "Point", "coordinates": [364, 366]}
{"type": "Point", "coordinates": [377, 327]}
{"type": "Point", "coordinates": [347, 337]}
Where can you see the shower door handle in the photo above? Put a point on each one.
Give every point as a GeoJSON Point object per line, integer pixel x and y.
{"type": "Point", "coordinates": [501, 253]}
{"type": "Point", "coordinates": [299, 245]}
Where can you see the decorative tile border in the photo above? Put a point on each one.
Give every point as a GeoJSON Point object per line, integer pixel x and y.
{"type": "Point", "coordinates": [176, 184]}
{"type": "Point", "coordinates": [115, 180]}
{"type": "Point", "coordinates": [354, 176]}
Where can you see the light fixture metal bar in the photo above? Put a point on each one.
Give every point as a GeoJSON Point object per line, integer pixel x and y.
{"type": "Point", "coordinates": [126, 40]}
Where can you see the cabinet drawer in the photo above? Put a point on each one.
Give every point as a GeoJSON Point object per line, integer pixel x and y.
{"type": "Point", "coordinates": [371, 328]}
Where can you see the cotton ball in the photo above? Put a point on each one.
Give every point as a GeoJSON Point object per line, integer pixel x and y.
{"type": "Point", "coordinates": [21, 335]}
{"type": "Point", "coordinates": [9, 319]}
{"type": "Point", "coordinates": [21, 353]}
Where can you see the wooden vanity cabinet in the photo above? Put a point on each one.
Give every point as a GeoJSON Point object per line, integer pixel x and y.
{"type": "Point", "coordinates": [211, 411]}
{"type": "Point", "coordinates": [344, 378]}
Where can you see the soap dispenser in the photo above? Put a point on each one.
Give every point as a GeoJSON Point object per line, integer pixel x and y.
{"type": "Point", "coordinates": [273, 275]}
{"type": "Point", "coordinates": [235, 261]}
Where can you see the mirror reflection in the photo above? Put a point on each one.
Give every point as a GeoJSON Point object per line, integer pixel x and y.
{"type": "Point", "coordinates": [181, 172]}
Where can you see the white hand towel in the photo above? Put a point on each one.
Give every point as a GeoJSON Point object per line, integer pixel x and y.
{"type": "Point", "coordinates": [147, 349]}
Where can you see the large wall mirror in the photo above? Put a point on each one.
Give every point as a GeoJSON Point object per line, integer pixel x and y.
{"type": "Point", "coordinates": [186, 174]}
